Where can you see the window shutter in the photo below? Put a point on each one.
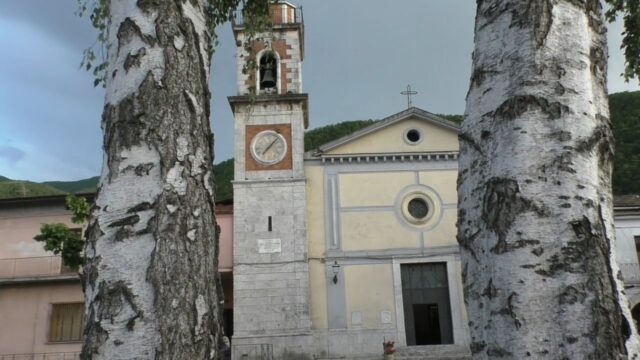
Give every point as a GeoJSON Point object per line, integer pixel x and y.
{"type": "Point", "coordinates": [67, 322]}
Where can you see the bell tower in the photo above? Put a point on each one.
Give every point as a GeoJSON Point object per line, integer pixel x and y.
{"type": "Point", "coordinates": [271, 276]}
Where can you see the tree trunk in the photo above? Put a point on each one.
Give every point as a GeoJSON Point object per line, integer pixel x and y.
{"type": "Point", "coordinates": [535, 207]}
{"type": "Point", "coordinates": [150, 275]}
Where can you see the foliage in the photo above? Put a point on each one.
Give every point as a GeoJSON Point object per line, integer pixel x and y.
{"type": "Point", "coordinates": [59, 239]}
{"type": "Point", "coordinates": [84, 185]}
{"type": "Point", "coordinates": [79, 208]}
{"type": "Point", "coordinates": [455, 118]}
{"type": "Point", "coordinates": [218, 12]}
{"type": "Point", "coordinates": [625, 116]}
{"type": "Point", "coordinates": [62, 240]}
{"type": "Point", "coordinates": [630, 10]}
{"type": "Point", "coordinates": [322, 135]}
{"type": "Point", "coordinates": [224, 175]}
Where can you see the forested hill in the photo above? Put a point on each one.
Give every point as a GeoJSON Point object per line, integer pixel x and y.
{"type": "Point", "coordinates": [79, 186]}
{"type": "Point", "coordinates": [625, 116]}
{"type": "Point", "coordinates": [15, 188]}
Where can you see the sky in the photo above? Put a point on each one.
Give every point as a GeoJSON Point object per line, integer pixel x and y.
{"type": "Point", "coordinates": [359, 56]}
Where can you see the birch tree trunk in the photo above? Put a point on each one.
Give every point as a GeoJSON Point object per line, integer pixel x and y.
{"type": "Point", "coordinates": [535, 207]}
{"type": "Point", "coordinates": [150, 278]}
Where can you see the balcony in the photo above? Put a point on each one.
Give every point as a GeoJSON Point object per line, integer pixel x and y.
{"type": "Point", "coordinates": [42, 356]}
{"type": "Point", "coordinates": [630, 273]}
{"type": "Point", "coordinates": [34, 269]}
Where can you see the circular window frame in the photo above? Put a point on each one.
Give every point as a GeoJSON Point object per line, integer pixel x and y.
{"type": "Point", "coordinates": [257, 157]}
{"type": "Point", "coordinates": [413, 195]}
{"type": "Point", "coordinates": [430, 196]}
{"type": "Point", "coordinates": [405, 136]}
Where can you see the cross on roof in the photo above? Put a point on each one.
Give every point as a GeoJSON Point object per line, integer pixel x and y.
{"type": "Point", "coordinates": [408, 92]}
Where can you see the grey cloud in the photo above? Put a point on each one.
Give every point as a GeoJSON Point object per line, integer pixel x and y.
{"type": "Point", "coordinates": [11, 154]}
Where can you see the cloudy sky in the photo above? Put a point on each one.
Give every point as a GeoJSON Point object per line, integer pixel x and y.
{"type": "Point", "coordinates": [359, 55]}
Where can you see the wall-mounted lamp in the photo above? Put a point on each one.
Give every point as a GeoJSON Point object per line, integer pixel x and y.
{"type": "Point", "coordinates": [336, 269]}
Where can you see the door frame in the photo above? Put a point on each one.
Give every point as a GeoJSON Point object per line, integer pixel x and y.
{"type": "Point", "coordinates": [456, 298]}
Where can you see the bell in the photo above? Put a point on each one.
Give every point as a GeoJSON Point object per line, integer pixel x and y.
{"type": "Point", "coordinates": [268, 80]}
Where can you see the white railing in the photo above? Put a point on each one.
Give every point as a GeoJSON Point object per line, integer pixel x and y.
{"type": "Point", "coordinates": [32, 266]}
{"type": "Point", "coordinates": [42, 356]}
{"type": "Point", "coordinates": [630, 273]}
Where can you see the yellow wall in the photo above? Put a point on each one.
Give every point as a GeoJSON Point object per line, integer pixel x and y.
{"type": "Point", "coordinates": [391, 139]}
{"type": "Point", "coordinates": [373, 189]}
{"type": "Point", "coordinates": [369, 290]}
{"type": "Point", "coordinates": [442, 182]}
{"type": "Point", "coordinates": [316, 249]}
{"type": "Point", "coordinates": [369, 219]}
{"type": "Point", "coordinates": [445, 233]}
{"type": "Point", "coordinates": [318, 294]}
{"type": "Point", "coordinates": [315, 210]}
{"type": "Point", "coordinates": [375, 231]}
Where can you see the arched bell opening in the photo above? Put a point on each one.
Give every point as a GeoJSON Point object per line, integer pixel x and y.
{"type": "Point", "coordinates": [268, 72]}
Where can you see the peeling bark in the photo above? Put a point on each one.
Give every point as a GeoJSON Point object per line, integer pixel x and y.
{"type": "Point", "coordinates": [150, 276]}
{"type": "Point", "coordinates": [535, 211]}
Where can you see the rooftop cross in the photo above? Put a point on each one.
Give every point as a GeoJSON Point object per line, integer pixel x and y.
{"type": "Point", "coordinates": [408, 92]}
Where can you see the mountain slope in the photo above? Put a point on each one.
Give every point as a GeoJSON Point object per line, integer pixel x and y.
{"type": "Point", "coordinates": [11, 189]}
{"type": "Point", "coordinates": [84, 185]}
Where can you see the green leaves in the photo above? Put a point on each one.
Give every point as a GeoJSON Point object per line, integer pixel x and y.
{"type": "Point", "coordinates": [79, 207]}
{"type": "Point", "coordinates": [60, 239]}
{"type": "Point", "coordinates": [630, 10]}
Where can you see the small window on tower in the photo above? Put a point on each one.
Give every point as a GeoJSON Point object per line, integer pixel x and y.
{"type": "Point", "coordinates": [268, 71]}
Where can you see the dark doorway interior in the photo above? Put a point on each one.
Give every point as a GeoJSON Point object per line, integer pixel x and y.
{"type": "Point", "coordinates": [425, 296]}
{"type": "Point", "coordinates": [635, 314]}
{"type": "Point", "coordinates": [427, 323]}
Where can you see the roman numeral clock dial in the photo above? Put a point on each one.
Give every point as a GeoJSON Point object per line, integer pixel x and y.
{"type": "Point", "coordinates": [268, 147]}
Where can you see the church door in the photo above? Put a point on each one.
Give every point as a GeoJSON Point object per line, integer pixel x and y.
{"type": "Point", "coordinates": [425, 297]}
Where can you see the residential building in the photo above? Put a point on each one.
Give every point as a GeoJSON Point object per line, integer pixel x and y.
{"type": "Point", "coordinates": [41, 300]}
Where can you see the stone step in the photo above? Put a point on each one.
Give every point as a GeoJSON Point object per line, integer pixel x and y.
{"type": "Point", "coordinates": [432, 352]}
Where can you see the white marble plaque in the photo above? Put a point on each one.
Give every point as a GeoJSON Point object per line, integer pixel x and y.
{"type": "Point", "coordinates": [269, 246]}
{"type": "Point", "coordinates": [385, 317]}
{"type": "Point", "coordinates": [356, 318]}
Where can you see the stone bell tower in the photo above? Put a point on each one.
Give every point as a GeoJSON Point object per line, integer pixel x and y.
{"type": "Point", "coordinates": [271, 276]}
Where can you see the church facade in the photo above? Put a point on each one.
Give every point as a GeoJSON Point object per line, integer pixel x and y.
{"type": "Point", "coordinates": [344, 247]}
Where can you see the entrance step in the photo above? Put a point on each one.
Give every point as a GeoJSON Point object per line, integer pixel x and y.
{"type": "Point", "coordinates": [432, 352]}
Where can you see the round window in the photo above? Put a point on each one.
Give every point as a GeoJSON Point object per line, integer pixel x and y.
{"type": "Point", "coordinates": [412, 136]}
{"type": "Point", "coordinates": [418, 208]}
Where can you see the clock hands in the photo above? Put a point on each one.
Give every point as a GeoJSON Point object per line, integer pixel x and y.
{"type": "Point", "coordinates": [270, 145]}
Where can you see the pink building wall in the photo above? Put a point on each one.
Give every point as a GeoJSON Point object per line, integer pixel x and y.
{"type": "Point", "coordinates": [31, 279]}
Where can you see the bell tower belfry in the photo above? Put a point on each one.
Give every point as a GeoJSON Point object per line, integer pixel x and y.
{"type": "Point", "coordinates": [271, 276]}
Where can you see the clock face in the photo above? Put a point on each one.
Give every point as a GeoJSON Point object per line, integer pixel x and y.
{"type": "Point", "coordinates": [268, 147]}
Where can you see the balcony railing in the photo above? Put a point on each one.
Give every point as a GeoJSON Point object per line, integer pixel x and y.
{"type": "Point", "coordinates": [42, 356]}
{"type": "Point", "coordinates": [33, 267]}
{"type": "Point", "coordinates": [630, 273]}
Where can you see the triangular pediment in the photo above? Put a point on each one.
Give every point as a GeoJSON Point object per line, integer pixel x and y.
{"type": "Point", "coordinates": [411, 131]}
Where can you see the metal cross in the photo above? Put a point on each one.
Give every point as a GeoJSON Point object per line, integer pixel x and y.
{"type": "Point", "coordinates": [408, 92]}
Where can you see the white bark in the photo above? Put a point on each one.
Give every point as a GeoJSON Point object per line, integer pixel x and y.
{"type": "Point", "coordinates": [535, 219]}
{"type": "Point", "coordinates": [151, 284]}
